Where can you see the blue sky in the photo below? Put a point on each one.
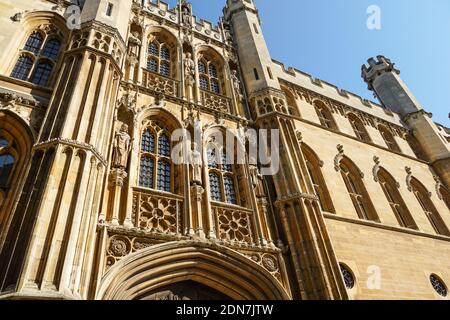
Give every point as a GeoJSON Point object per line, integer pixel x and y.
{"type": "Point", "coordinates": [329, 39]}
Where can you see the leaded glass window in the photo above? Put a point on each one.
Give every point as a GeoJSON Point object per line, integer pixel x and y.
{"type": "Point", "coordinates": [165, 53]}
{"type": "Point", "coordinates": [349, 279]}
{"type": "Point", "coordinates": [146, 172]}
{"type": "Point", "coordinates": [164, 176]}
{"type": "Point", "coordinates": [209, 76]}
{"type": "Point", "coordinates": [159, 59]}
{"type": "Point", "coordinates": [204, 83]}
{"type": "Point", "coordinates": [152, 65]}
{"type": "Point", "coordinates": [164, 146]}
{"type": "Point", "coordinates": [156, 165]}
{"type": "Point", "coordinates": [438, 285]}
{"type": "Point", "coordinates": [42, 73]}
{"type": "Point", "coordinates": [22, 68]}
{"type": "Point", "coordinates": [153, 49]}
{"type": "Point", "coordinates": [214, 184]}
{"type": "Point", "coordinates": [212, 70]}
{"type": "Point", "coordinates": [201, 67]}
{"type": "Point", "coordinates": [165, 69]}
{"type": "Point", "coordinates": [148, 142]}
{"type": "Point", "coordinates": [230, 193]}
{"type": "Point", "coordinates": [357, 191]}
{"type": "Point", "coordinates": [6, 167]}
{"type": "Point", "coordinates": [34, 42]}
{"type": "Point", "coordinates": [43, 59]}
{"type": "Point", "coordinates": [51, 49]}
{"type": "Point", "coordinates": [215, 86]}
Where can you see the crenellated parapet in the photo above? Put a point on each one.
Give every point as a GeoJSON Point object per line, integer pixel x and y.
{"type": "Point", "coordinates": [376, 67]}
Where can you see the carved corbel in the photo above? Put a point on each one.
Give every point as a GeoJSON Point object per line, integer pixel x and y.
{"type": "Point", "coordinates": [376, 168]}
{"type": "Point", "coordinates": [339, 157]}
{"type": "Point", "coordinates": [409, 178]}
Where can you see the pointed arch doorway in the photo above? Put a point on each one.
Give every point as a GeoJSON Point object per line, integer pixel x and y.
{"type": "Point", "coordinates": [189, 270]}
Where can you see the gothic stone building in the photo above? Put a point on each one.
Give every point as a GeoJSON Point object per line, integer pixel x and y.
{"type": "Point", "coordinates": [93, 206]}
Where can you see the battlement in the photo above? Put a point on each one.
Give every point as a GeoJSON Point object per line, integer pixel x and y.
{"type": "Point", "coordinates": [334, 91]}
{"type": "Point", "coordinates": [163, 10]}
{"type": "Point", "coordinates": [377, 66]}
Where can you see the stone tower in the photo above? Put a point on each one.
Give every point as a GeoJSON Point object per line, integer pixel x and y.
{"type": "Point", "coordinates": [383, 78]}
{"type": "Point", "coordinates": [297, 206]}
{"type": "Point", "coordinates": [49, 247]}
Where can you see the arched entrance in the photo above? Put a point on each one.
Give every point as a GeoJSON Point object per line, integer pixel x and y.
{"type": "Point", "coordinates": [186, 290]}
{"type": "Point", "coordinates": [189, 270]}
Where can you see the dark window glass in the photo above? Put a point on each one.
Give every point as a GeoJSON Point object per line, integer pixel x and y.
{"type": "Point", "coordinates": [152, 65]}
{"type": "Point", "coordinates": [164, 146]}
{"type": "Point", "coordinates": [212, 158]}
{"type": "Point", "coordinates": [34, 42]}
{"type": "Point", "coordinates": [438, 285]}
{"type": "Point", "coordinates": [201, 67]}
{"type": "Point", "coordinates": [165, 69]}
{"type": "Point", "coordinates": [226, 163]}
{"type": "Point", "coordinates": [204, 83]}
{"type": "Point", "coordinates": [146, 172]}
{"type": "Point", "coordinates": [164, 176]}
{"type": "Point", "coordinates": [6, 167]}
{"type": "Point", "coordinates": [42, 74]}
{"type": "Point", "coordinates": [230, 192]}
{"type": "Point", "coordinates": [22, 68]}
{"type": "Point", "coordinates": [4, 143]}
{"type": "Point", "coordinates": [214, 184]}
{"type": "Point", "coordinates": [51, 50]}
{"type": "Point", "coordinates": [148, 142]}
{"type": "Point", "coordinates": [165, 53]}
{"type": "Point", "coordinates": [215, 86]}
{"type": "Point", "coordinates": [349, 280]}
{"type": "Point", "coordinates": [212, 71]}
{"type": "Point", "coordinates": [153, 49]}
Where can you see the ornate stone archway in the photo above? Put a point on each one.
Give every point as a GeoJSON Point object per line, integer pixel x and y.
{"type": "Point", "coordinates": [190, 269]}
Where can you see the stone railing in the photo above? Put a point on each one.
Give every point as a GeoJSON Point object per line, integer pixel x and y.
{"type": "Point", "coordinates": [215, 101]}
{"type": "Point", "coordinates": [157, 212]}
{"type": "Point", "coordinates": [233, 224]}
{"type": "Point", "coordinates": [159, 83]}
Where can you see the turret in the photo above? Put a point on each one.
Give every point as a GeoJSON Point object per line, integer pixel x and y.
{"type": "Point", "coordinates": [252, 48]}
{"type": "Point", "coordinates": [383, 78]}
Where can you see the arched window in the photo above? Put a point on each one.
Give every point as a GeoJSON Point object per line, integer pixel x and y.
{"type": "Point", "coordinates": [389, 138]}
{"type": "Point", "coordinates": [423, 196]}
{"type": "Point", "coordinates": [209, 76]}
{"type": "Point", "coordinates": [7, 161]}
{"type": "Point", "coordinates": [359, 128]}
{"type": "Point", "coordinates": [221, 176]}
{"type": "Point", "coordinates": [34, 42]}
{"type": "Point", "coordinates": [155, 159]}
{"type": "Point", "coordinates": [324, 114]}
{"type": "Point", "coordinates": [355, 186]}
{"type": "Point", "coordinates": [159, 58]}
{"type": "Point", "coordinates": [51, 49]}
{"type": "Point", "coordinates": [40, 54]}
{"type": "Point", "coordinates": [313, 164]}
{"type": "Point", "coordinates": [22, 68]}
{"type": "Point", "coordinates": [398, 206]}
{"type": "Point", "coordinates": [42, 73]}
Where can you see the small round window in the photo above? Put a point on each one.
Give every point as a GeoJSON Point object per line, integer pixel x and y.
{"type": "Point", "coordinates": [438, 285]}
{"type": "Point", "coordinates": [349, 279]}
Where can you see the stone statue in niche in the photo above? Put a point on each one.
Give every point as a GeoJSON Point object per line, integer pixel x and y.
{"type": "Point", "coordinates": [236, 84]}
{"type": "Point", "coordinates": [257, 181]}
{"type": "Point", "coordinates": [133, 44]}
{"type": "Point", "coordinates": [189, 75]}
{"type": "Point", "coordinates": [186, 17]}
{"type": "Point", "coordinates": [196, 163]}
{"type": "Point", "coordinates": [189, 69]}
{"type": "Point", "coordinates": [121, 148]}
